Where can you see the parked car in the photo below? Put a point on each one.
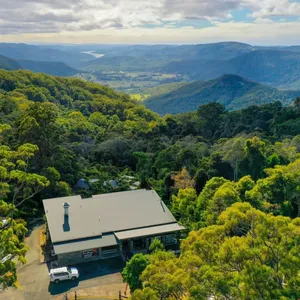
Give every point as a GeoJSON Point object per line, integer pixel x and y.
{"type": "Point", "coordinates": [65, 273]}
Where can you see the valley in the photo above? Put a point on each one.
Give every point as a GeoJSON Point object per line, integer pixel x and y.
{"type": "Point", "coordinates": [141, 71]}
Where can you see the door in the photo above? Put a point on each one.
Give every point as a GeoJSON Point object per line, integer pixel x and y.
{"type": "Point", "coordinates": [65, 276]}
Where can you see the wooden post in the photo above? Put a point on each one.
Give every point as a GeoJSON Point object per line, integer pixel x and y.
{"type": "Point", "coordinates": [120, 295]}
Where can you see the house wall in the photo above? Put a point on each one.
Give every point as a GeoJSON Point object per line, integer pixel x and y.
{"type": "Point", "coordinates": [72, 258]}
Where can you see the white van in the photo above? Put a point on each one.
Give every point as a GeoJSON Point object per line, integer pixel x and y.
{"type": "Point", "coordinates": [65, 273]}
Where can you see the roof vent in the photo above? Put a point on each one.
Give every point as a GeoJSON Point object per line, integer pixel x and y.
{"type": "Point", "coordinates": [66, 207]}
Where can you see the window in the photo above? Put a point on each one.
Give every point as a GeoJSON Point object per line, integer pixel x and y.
{"type": "Point", "coordinates": [170, 239]}
{"type": "Point", "coordinates": [109, 248]}
{"type": "Point", "coordinates": [90, 253]}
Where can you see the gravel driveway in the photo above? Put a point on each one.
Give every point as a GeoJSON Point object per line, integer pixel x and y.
{"type": "Point", "coordinates": [33, 276]}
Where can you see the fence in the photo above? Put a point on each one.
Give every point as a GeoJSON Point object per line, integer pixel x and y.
{"type": "Point", "coordinates": [74, 296]}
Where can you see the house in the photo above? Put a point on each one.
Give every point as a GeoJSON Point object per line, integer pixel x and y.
{"type": "Point", "coordinates": [85, 184]}
{"type": "Point", "coordinates": [108, 225]}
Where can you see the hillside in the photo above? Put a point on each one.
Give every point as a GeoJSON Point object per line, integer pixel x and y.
{"type": "Point", "coordinates": [51, 68]}
{"type": "Point", "coordinates": [272, 67]}
{"type": "Point", "coordinates": [144, 93]}
{"type": "Point", "coordinates": [37, 53]}
{"type": "Point", "coordinates": [152, 58]}
{"type": "Point", "coordinates": [8, 63]}
{"type": "Point", "coordinates": [234, 92]}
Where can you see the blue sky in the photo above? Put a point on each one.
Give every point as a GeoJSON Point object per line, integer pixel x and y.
{"type": "Point", "coordinates": [266, 22]}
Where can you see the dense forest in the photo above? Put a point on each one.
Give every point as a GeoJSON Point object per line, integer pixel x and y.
{"type": "Point", "coordinates": [231, 178]}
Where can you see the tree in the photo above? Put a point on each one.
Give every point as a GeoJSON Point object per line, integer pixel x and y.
{"type": "Point", "coordinates": [16, 182]}
{"type": "Point", "coordinates": [12, 234]}
{"type": "Point", "coordinates": [133, 270]}
{"type": "Point", "coordinates": [200, 179]}
{"type": "Point", "coordinates": [233, 151]}
{"type": "Point", "coordinates": [206, 195]}
{"type": "Point", "coordinates": [224, 197]}
{"type": "Point", "coordinates": [279, 192]}
{"type": "Point", "coordinates": [297, 102]}
{"type": "Point", "coordinates": [248, 255]}
{"type": "Point", "coordinates": [145, 294]}
{"type": "Point", "coordinates": [210, 118]}
{"type": "Point", "coordinates": [164, 276]}
{"type": "Point", "coordinates": [156, 245]}
{"type": "Point", "coordinates": [183, 180]}
{"type": "Point", "coordinates": [255, 160]}
{"type": "Point", "coordinates": [183, 206]}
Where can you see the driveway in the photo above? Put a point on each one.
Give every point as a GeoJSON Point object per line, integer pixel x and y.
{"type": "Point", "coordinates": [33, 276]}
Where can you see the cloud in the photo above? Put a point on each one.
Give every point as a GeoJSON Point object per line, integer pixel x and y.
{"type": "Point", "coordinates": [273, 8]}
{"type": "Point", "coordinates": [19, 17]}
{"type": "Point", "coordinates": [258, 33]}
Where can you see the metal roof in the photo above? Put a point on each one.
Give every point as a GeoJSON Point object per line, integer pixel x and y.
{"type": "Point", "coordinates": [104, 213]}
{"type": "Point", "coordinates": [128, 234]}
{"type": "Point", "coordinates": [83, 244]}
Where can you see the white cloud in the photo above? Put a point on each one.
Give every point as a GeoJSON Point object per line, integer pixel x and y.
{"type": "Point", "coordinates": [123, 18]}
{"type": "Point", "coordinates": [272, 8]}
{"type": "Point", "coordinates": [259, 33]}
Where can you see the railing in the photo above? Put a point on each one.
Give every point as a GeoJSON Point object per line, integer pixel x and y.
{"type": "Point", "coordinates": [75, 297]}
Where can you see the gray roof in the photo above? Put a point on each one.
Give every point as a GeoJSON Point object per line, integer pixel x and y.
{"type": "Point", "coordinates": [133, 233]}
{"type": "Point", "coordinates": [83, 244]}
{"type": "Point", "coordinates": [105, 213]}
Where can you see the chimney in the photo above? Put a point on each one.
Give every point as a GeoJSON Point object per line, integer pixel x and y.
{"type": "Point", "coordinates": [66, 207]}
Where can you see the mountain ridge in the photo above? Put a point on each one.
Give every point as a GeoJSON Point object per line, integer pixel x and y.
{"type": "Point", "coordinates": [233, 91]}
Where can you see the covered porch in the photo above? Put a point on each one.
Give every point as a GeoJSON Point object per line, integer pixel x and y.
{"type": "Point", "coordinates": [139, 240]}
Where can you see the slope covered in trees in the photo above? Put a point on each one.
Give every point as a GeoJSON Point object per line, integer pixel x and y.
{"type": "Point", "coordinates": [277, 68]}
{"type": "Point", "coordinates": [234, 92]}
{"type": "Point", "coordinates": [55, 131]}
{"type": "Point", "coordinates": [8, 63]}
{"type": "Point", "coordinates": [38, 53]}
{"type": "Point", "coordinates": [48, 67]}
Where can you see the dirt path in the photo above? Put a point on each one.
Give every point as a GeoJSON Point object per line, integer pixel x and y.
{"type": "Point", "coordinates": [33, 276]}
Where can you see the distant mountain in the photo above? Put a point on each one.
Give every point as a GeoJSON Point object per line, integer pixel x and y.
{"type": "Point", "coordinates": [272, 67]}
{"type": "Point", "coordinates": [8, 63]}
{"type": "Point", "coordinates": [233, 91]}
{"type": "Point", "coordinates": [277, 68]}
{"type": "Point", "coordinates": [37, 53]}
{"type": "Point", "coordinates": [52, 68]}
{"type": "Point", "coordinates": [152, 58]}
{"type": "Point", "coordinates": [122, 63]}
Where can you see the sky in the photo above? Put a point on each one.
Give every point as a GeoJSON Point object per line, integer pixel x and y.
{"type": "Point", "coordinates": [258, 22]}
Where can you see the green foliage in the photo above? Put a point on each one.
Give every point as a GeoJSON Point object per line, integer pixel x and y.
{"type": "Point", "coordinates": [183, 206]}
{"type": "Point", "coordinates": [17, 183]}
{"type": "Point", "coordinates": [11, 243]}
{"type": "Point", "coordinates": [145, 294]}
{"type": "Point", "coordinates": [247, 255]}
{"type": "Point", "coordinates": [55, 131]}
{"type": "Point", "coordinates": [133, 270]}
{"type": "Point", "coordinates": [156, 245]}
{"type": "Point", "coordinates": [8, 63]}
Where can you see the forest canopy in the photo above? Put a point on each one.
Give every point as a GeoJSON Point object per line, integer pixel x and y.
{"type": "Point", "coordinates": [231, 178]}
